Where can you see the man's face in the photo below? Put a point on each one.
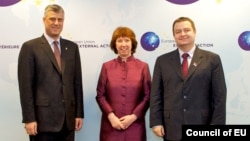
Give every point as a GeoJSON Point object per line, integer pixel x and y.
{"type": "Point", "coordinates": [53, 23]}
{"type": "Point", "coordinates": [184, 34]}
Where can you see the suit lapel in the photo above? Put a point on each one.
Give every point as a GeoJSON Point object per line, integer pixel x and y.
{"type": "Point", "coordinates": [47, 49]}
{"type": "Point", "coordinates": [175, 61]}
{"type": "Point", "coordinates": [64, 50]}
{"type": "Point", "coordinates": [196, 60]}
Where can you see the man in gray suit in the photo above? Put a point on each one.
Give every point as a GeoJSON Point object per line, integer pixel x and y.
{"type": "Point", "coordinates": [51, 91]}
{"type": "Point", "coordinates": [197, 99]}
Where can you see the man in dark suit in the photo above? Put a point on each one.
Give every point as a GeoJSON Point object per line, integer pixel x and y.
{"type": "Point", "coordinates": [198, 98]}
{"type": "Point", "coordinates": [51, 89]}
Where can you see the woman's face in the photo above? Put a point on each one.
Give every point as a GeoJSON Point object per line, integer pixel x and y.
{"type": "Point", "coordinates": [124, 46]}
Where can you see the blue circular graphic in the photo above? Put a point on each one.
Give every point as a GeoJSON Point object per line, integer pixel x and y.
{"type": "Point", "coordinates": [182, 2]}
{"type": "Point", "coordinates": [8, 2]}
{"type": "Point", "coordinates": [150, 41]}
{"type": "Point", "coordinates": [244, 40]}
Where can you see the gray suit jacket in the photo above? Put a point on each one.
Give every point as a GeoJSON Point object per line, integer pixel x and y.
{"type": "Point", "coordinates": [200, 99]}
{"type": "Point", "coordinates": [49, 95]}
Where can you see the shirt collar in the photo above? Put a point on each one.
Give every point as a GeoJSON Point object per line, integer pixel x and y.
{"type": "Point", "coordinates": [50, 40]}
{"type": "Point", "coordinates": [190, 52]}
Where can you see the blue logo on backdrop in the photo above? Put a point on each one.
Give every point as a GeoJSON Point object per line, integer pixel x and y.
{"type": "Point", "coordinates": [244, 40]}
{"type": "Point", "coordinates": [150, 41]}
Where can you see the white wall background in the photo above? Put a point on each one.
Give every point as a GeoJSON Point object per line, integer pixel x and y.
{"type": "Point", "coordinates": [91, 22]}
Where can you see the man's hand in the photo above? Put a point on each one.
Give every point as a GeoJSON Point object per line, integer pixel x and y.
{"type": "Point", "coordinates": [31, 128]}
{"type": "Point", "coordinates": [158, 130]}
{"type": "Point", "coordinates": [78, 123]}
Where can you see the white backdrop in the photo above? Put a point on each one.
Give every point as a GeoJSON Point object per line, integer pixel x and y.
{"type": "Point", "coordinates": [90, 23]}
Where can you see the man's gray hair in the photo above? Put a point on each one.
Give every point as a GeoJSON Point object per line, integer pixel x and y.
{"type": "Point", "coordinates": [53, 7]}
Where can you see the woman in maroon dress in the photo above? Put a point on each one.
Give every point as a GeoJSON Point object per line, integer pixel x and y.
{"type": "Point", "coordinates": [123, 91]}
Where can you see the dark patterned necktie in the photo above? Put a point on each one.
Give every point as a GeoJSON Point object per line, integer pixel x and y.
{"type": "Point", "coordinates": [57, 54]}
{"type": "Point", "coordinates": [185, 65]}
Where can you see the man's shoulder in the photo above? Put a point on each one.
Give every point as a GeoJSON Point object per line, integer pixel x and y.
{"type": "Point", "coordinates": [168, 54]}
{"type": "Point", "coordinates": [34, 41]}
{"type": "Point", "coordinates": [206, 52]}
{"type": "Point", "coordinates": [67, 41]}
